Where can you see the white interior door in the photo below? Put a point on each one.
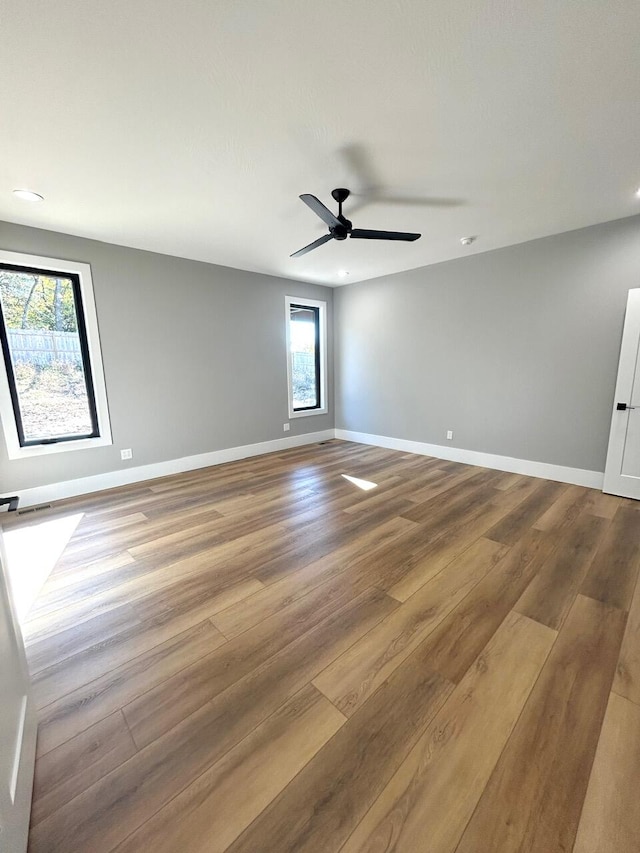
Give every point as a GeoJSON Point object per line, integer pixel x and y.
{"type": "Point", "coordinates": [622, 471]}
{"type": "Point", "coordinates": [17, 726]}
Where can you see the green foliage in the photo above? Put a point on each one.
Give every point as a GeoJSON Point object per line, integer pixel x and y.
{"type": "Point", "coordinates": [31, 301]}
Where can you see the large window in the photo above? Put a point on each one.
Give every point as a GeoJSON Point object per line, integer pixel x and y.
{"type": "Point", "coordinates": [51, 388]}
{"type": "Point", "coordinates": [306, 350]}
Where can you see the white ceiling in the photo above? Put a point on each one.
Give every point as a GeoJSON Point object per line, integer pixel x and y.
{"type": "Point", "coordinates": [189, 127]}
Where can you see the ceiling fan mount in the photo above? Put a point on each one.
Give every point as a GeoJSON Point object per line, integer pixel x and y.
{"type": "Point", "coordinates": [341, 194]}
{"type": "Point", "coordinates": [340, 227]}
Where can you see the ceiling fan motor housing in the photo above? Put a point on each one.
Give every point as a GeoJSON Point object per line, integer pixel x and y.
{"type": "Point", "coordinates": [341, 232]}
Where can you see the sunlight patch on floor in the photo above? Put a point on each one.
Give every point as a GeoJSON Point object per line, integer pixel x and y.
{"type": "Point", "coordinates": [32, 552]}
{"type": "Point", "coordinates": [365, 485]}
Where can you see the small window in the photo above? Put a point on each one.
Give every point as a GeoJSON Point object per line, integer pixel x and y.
{"type": "Point", "coordinates": [306, 347]}
{"type": "Point", "coordinates": [48, 396]}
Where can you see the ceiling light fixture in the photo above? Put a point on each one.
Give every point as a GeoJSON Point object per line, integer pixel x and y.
{"type": "Point", "coordinates": [28, 195]}
{"type": "Point", "coordinates": [340, 227]}
{"type": "Point", "coordinates": [467, 241]}
{"type": "Point", "coordinates": [638, 193]}
{"type": "Point", "coordinates": [343, 273]}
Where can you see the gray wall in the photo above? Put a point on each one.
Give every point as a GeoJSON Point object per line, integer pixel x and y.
{"type": "Point", "coordinates": [515, 350]}
{"type": "Point", "coordinates": [194, 357]}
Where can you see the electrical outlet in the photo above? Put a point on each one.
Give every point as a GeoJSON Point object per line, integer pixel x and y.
{"type": "Point", "coordinates": [285, 427]}
{"type": "Point", "coordinates": [449, 434]}
{"type": "Point", "coordinates": [126, 454]}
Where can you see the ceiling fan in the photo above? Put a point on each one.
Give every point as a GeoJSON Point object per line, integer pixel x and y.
{"type": "Point", "coordinates": [340, 227]}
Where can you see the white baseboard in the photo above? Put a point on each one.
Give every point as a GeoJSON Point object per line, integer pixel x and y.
{"type": "Point", "coordinates": [126, 476]}
{"type": "Point", "coordinates": [561, 473]}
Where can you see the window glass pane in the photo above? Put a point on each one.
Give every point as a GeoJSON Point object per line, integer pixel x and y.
{"type": "Point", "coordinates": [41, 334]}
{"type": "Point", "coordinates": [303, 336]}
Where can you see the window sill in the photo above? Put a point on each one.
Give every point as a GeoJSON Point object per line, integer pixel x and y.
{"type": "Point", "coordinates": [17, 452]}
{"type": "Point", "coordinates": [324, 411]}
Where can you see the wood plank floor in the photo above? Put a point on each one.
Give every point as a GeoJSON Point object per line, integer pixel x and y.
{"type": "Point", "coordinates": [263, 657]}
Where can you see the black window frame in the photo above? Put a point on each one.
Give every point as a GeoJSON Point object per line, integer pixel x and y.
{"type": "Point", "coordinates": [315, 309]}
{"type": "Point", "coordinates": [84, 351]}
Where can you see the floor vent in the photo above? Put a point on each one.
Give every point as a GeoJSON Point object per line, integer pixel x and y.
{"type": "Point", "coordinates": [33, 509]}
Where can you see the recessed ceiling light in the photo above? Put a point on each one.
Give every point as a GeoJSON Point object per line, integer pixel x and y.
{"type": "Point", "coordinates": [467, 241]}
{"type": "Point", "coordinates": [342, 273]}
{"type": "Point", "coordinates": [28, 195]}
{"type": "Point", "coordinates": [638, 193]}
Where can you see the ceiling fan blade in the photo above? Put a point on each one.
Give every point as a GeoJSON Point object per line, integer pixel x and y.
{"type": "Point", "coordinates": [319, 242]}
{"type": "Point", "coordinates": [368, 234]}
{"type": "Point", "coordinates": [320, 210]}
